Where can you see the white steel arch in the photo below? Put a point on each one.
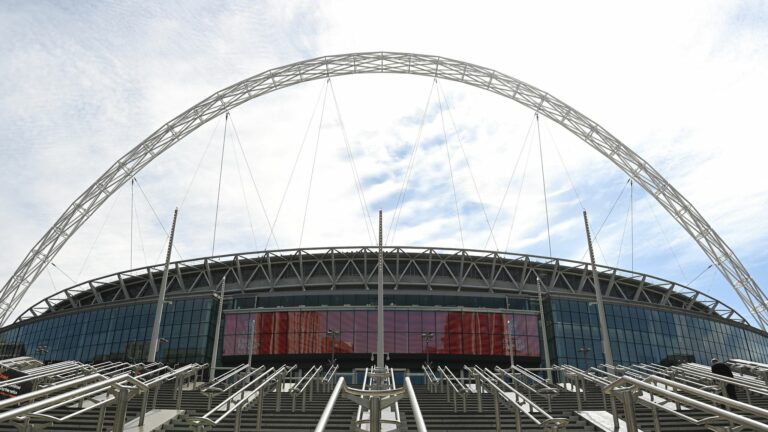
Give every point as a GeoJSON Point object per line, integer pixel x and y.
{"type": "Point", "coordinates": [540, 101]}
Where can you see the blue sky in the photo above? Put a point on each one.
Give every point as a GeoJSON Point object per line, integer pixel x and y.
{"type": "Point", "coordinates": [683, 84]}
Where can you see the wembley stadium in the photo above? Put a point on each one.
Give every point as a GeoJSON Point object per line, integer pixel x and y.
{"type": "Point", "coordinates": [383, 337]}
{"type": "Point", "coordinates": [465, 298]}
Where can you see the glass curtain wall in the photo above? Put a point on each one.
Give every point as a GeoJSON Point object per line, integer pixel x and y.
{"type": "Point", "coordinates": [354, 331]}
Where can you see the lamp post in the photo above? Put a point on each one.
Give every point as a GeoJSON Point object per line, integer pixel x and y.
{"type": "Point", "coordinates": [42, 349]}
{"type": "Point", "coordinates": [511, 330]}
{"type": "Point", "coordinates": [333, 334]}
{"type": "Point", "coordinates": [585, 351]}
{"type": "Point", "coordinates": [425, 338]}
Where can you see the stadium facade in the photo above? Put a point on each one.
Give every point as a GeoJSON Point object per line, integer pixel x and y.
{"type": "Point", "coordinates": [457, 306]}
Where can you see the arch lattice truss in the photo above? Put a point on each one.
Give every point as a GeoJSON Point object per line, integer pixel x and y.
{"type": "Point", "coordinates": [385, 62]}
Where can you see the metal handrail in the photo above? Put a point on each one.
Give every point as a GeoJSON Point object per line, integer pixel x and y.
{"type": "Point", "coordinates": [489, 378]}
{"type": "Point", "coordinates": [376, 399]}
{"type": "Point", "coordinates": [649, 385]}
{"type": "Point", "coordinates": [531, 376]}
{"type": "Point", "coordinates": [245, 379]}
{"type": "Point", "coordinates": [328, 377]}
{"type": "Point", "coordinates": [20, 363]}
{"type": "Point", "coordinates": [124, 384]}
{"type": "Point", "coordinates": [430, 374]}
{"type": "Point", "coordinates": [360, 407]}
{"type": "Point", "coordinates": [451, 379]}
{"type": "Point", "coordinates": [326, 415]}
{"type": "Point", "coordinates": [515, 379]}
{"type": "Point", "coordinates": [705, 373]}
{"type": "Point", "coordinates": [511, 399]}
{"type": "Point", "coordinates": [306, 379]}
{"type": "Point", "coordinates": [417, 416]}
{"type": "Point", "coordinates": [239, 400]}
{"type": "Point", "coordinates": [51, 375]}
{"type": "Point", "coordinates": [213, 385]}
{"type": "Point", "coordinates": [42, 393]}
{"type": "Point", "coordinates": [392, 384]}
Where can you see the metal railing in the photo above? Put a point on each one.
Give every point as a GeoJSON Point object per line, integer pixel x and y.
{"type": "Point", "coordinates": [81, 395]}
{"type": "Point", "coordinates": [327, 380]}
{"type": "Point", "coordinates": [535, 385]}
{"type": "Point", "coordinates": [20, 363]}
{"type": "Point", "coordinates": [454, 388]}
{"type": "Point", "coordinates": [432, 381]}
{"type": "Point", "coordinates": [759, 370]}
{"type": "Point", "coordinates": [154, 380]}
{"type": "Point", "coordinates": [230, 381]}
{"type": "Point", "coordinates": [513, 399]}
{"type": "Point", "coordinates": [248, 394]}
{"type": "Point", "coordinates": [307, 381]}
{"type": "Point", "coordinates": [376, 400]}
{"type": "Point", "coordinates": [626, 389]}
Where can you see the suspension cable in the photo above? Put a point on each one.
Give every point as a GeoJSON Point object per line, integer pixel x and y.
{"type": "Point", "coordinates": [624, 231]}
{"type": "Point", "coordinates": [544, 183]}
{"type": "Point", "coordinates": [242, 189]}
{"type": "Point", "coordinates": [98, 233]}
{"type": "Point", "coordinates": [159, 222]}
{"type": "Point", "coordinates": [469, 167]}
{"type": "Point", "coordinates": [450, 168]}
{"type": "Point", "coordinates": [699, 275]}
{"type": "Point", "coordinates": [404, 187]}
{"type": "Point", "coordinates": [519, 195]}
{"type": "Point", "coordinates": [613, 206]}
{"type": "Point", "coordinates": [565, 167]}
{"type": "Point", "coordinates": [50, 276]}
{"type": "Point", "coordinates": [62, 272]}
{"type": "Point", "coordinates": [571, 182]}
{"type": "Point", "coordinates": [323, 90]}
{"type": "Point", "coordinates": [632, 223]}
{"type": "Point", "coordinates": [358, 184]}
{"type": "Point", "coordinates": [312, 171]}
{"type": "Point", "coordinates": [667, 241]}
{"type": "Point", "coordinates": [199, 164]}
{"type": "Point", "coordinates": [218, 191]}
{"type": "Point", "coordinates": [130, 260]}
{"type": "Point", "coordinates": [141, 237]}
{"type": "Point", "coordinates": [509, 182]}
{"type": "Point", "coordinates": [270, 224]}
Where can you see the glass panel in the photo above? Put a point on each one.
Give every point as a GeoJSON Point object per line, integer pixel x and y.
{"type": "Point", "coordinates": [414, 322]}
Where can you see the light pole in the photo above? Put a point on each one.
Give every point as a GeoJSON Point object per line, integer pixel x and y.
{"type": "Point", "coordinates": [585, 351]}
{"type": "Point", "coordinates": [333, 334]}
{"type": "Point", "coordinates": [251, 332]}
{"type": "Point", "coordinates": [42, 349]}
{"type": "Point", "coordinates": [511, 330]}
{"type": "Point", "coordinates": [425, 338]}
{"type": "Point", "coordinates": [215, 351]}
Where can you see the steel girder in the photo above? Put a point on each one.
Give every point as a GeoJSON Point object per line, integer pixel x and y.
{"type": "Point", "coordinates": [540, 101]}
{"type": "Point", "coordinates": [405, 268]}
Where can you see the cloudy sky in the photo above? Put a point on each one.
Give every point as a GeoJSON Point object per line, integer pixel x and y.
{"type": "Point", "coordinates": [682, 83]}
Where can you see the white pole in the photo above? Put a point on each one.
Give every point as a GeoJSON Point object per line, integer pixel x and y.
{"type": "Point", "coordinates": [510, 330]}
{"type": "Point", "coordinates": [547, 361]}
{"type": "Point", "coordinates": [251, 331]}
{"type": "Point", "coordinates": [155, 340]}
{"type": "Point", "coordinates": [380, 306]}
{"type": "Point", "coordinates": [599, 297]}
{"type": "Point", "coordinates": [215, 353]}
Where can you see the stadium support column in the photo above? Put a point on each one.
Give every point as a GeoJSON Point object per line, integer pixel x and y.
{"type": "Point", "coordinates": [599, 298]}
{"type": "Point", "coordinates": [547, 361]}
{"type": "Point", "coordinates": [153, 343]}
{"type": "Point", "coordinates": [215, 351]}
{"type": "Point", "coordinates": [380, 306]}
